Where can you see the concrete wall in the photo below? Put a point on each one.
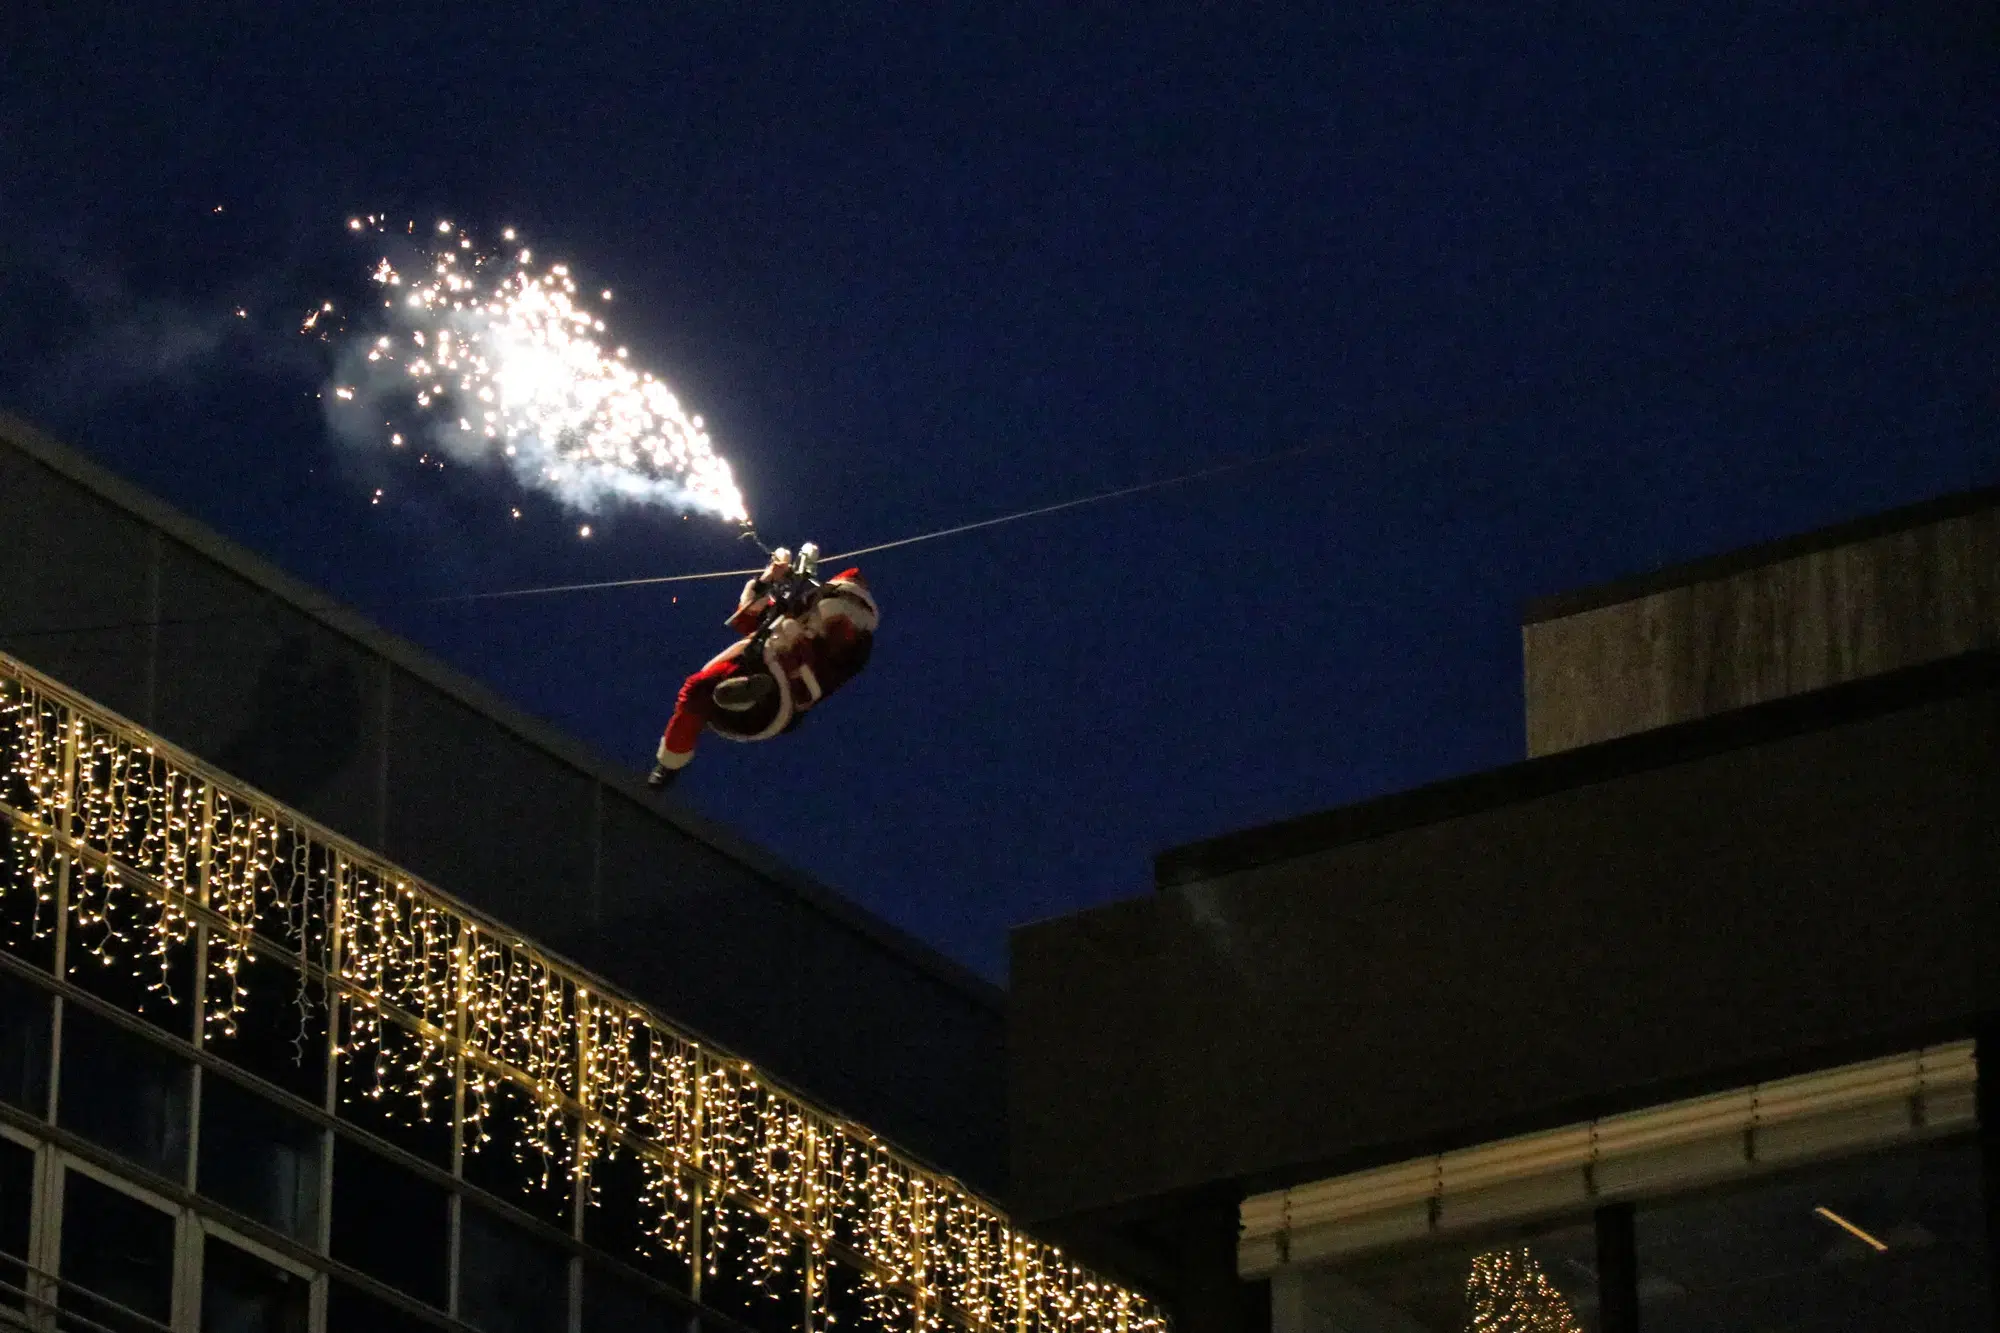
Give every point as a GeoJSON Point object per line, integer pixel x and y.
{"type": "Point", "coordinates": [154, 617]}
{"type": "Point", "coordinates": [1890, 592]}
{"type": "Point", "coordinates": [1582, 932]}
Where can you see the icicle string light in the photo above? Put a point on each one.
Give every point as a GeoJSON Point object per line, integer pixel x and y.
{"type": "Point", "coordinates": [168, 862]}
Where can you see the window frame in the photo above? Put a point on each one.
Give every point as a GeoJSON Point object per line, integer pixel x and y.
{"type": "Point", "coordinates": [32, 1281]}
{"type": "Point", "coordinates": [205, 1226]}
{"type": "Point", "coordinates": [59, 1163]}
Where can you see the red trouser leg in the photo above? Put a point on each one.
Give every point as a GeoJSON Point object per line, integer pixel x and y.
{"type": "Point", "coordinates": [695, 706]}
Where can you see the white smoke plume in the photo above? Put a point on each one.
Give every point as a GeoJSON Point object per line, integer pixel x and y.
{"type": "Point", "coordinates": [486, 359]}
{"type": "Point", "coordinates": [111, 338]}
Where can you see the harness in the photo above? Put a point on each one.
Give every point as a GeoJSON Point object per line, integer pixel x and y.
{"type": "Point", "coordinates": [791, 597]}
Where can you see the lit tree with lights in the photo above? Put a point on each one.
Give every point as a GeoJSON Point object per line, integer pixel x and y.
{"type": "Point", "coordinates": [1507, 1292]}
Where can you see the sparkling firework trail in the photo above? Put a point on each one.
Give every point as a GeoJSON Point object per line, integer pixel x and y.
{"type": "Point", "coordinates": [509, 365]}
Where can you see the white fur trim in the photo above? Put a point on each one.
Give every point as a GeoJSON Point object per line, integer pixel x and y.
{"type": "Point", "coordinates": [785, 635]}
{"type": "Point", "coordinates": [732, 650]}
{"type": "Point", "coordinates": [811, 683]}
{"type": "Point", "coordinates": [862, 615]}
{"type": "Point", "coordinates": [670, 761]}
{"type": "Point", "coordinates": [857, 589]}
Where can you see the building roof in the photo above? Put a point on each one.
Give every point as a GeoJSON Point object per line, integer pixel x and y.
{"type": "Point", "coordinates": [1730, 563]}
{"type": "Point", "coordinates": [1742, 897]}
{"type": "Point", "coordinates": [406, 656]}
{"type": "Point", "coordinates": [1288, 839]}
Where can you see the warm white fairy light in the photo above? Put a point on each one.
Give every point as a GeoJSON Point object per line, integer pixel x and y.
{"type": "Point", "coordinates": [1506, 1291]}
{"type": "Point", "coordinates": [154, 847]}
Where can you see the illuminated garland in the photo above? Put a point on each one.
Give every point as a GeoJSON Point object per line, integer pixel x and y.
{"type": "Point", "coordinates": [1507, 1292]}
{"type": "Point", "coordinates": [426, 998]}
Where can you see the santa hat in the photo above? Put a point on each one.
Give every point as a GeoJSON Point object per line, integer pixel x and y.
{"type": "Point", "coordinates": [849, 583]}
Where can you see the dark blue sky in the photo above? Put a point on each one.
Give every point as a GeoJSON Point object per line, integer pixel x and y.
{"type": "Point", "coordinates": [919, 269]}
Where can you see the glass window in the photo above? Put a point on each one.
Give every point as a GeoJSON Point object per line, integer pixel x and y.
{"type": "Point", "coordinates": [1891, 1241]}
{"type": "Point", "coordinates": [27, 894]}
{"type": "Point", "coordinates": [24, 1045]}
{"type": "Point", "coordinates": [279, 1030]}
{"type": "Point", "coordinates": [756, 1276]}
{"type": "Point", "coordinates": [625, 1218]}
{"type": "Point", "coordinates": [260, 1159]}
{"type": "Point", "coordinates": [352, 1310]}
{"type": "Point", "coordinates": [124, 1093]}
{"type": "Point", "coordinates": [1544, 1281]}
{"type": "Point", "coordinates": [508, 1280]}
{"type": "Point", "coordinates": [17, 1205]}
{"type": "Point", "coordinates": [31, 729]}
{"type": "Point", "coordinates": [117, 1257]}
{"type": "Point", "coordinates": [510, 1162]}
{"type": "Point", "coordinates": [614, 1303]}
{"type": "Point", "coordinates": [853, 1302]}
{"type": "Point", "coordinates": [115, 950]}
{"type": "Point", "coordinates": [241, 1293]}
{"type": "Point", "coordinates": [419, 1127]}
{"type": "Point", "coordinates": [293, 914]}
{"type": "Point", "coordinates": [390, 1223]}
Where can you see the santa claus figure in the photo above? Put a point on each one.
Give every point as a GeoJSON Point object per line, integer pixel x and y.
{"type": "Point", "coordinates": [802, 640]}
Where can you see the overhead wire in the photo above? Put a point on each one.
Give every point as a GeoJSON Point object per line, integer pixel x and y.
{"type": "Point", "coordinates": [1969, 295]}
{"type": "Point", "coordinates": [656, 580]}
{"type": "Point", "coordinates": [859, 551]}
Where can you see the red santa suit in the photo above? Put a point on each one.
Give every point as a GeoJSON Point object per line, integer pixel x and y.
{"type": "Point", "coordinates": [808, 656]}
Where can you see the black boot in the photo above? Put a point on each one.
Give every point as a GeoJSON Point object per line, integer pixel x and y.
{"type": "Point", "coordinates": [739, 694]}
{"type": "Point", "coordinates": [662, 777]}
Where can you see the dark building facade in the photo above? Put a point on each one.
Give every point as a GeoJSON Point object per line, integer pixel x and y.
{"type": "Point", "coordinates": [138, 608]}
{"type": "Point", "coordinates": [1675, 1025]}
{"type": "Point", "coordinates": [293, 1040]}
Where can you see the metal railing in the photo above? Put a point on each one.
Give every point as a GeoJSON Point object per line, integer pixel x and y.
{"type": "Point", "coordinates": [35, 1301]}
{"type": "Point", "coordinates": [138, 850]}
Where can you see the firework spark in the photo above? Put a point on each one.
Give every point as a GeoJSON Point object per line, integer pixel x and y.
{"type": "Point", "coordinates": [509, 364]}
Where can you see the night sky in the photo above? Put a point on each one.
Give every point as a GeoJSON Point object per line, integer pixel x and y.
{"type": "Point", "coordinates": [1566, 292]}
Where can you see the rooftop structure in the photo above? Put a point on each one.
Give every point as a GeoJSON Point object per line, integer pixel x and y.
{"type": "Point", "coordinates": [134, 605]}
{"type": "Point", "coordinates": [250, 1062]}
{"type": "Point", "coordinates": [1733, 921]}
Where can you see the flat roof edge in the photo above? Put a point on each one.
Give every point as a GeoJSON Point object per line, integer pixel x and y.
{"type": "Point", "coordinates": [1875, 1044]}
{"type": "Point", "coordinates": [406, 656]}
{"type": "Point", "coordinates": [1530, 779]}
{"type": "Point", "coordinates": [1727, 564]}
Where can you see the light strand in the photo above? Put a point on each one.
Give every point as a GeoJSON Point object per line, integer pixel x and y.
{"type": "Point", "coordinates": [165, 849]}
{"type": "Point", "coordinates": [1506, 1291]}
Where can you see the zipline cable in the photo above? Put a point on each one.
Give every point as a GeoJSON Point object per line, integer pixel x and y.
{"type": "Point", "coordinates": [1117, 494]}
{"type": "Point", "coordinates": [1035, 512]}
{"type": "Point", "coordinates": [1970, 295]}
